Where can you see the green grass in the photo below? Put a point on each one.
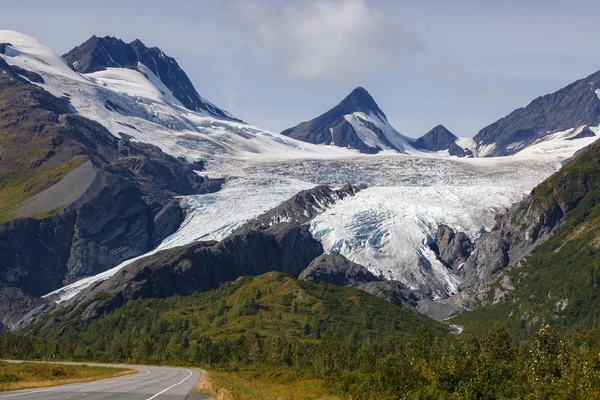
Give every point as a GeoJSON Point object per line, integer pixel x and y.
{"type": "Point", "coordinates": [33, 375]}
{"type": "Point", "coordinates": [19, 186]}
{"type": "Point", "coordinates": [267, 385]}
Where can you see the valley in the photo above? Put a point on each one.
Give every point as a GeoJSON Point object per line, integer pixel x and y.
{"type": "Point", "coordinates": [140, 222]}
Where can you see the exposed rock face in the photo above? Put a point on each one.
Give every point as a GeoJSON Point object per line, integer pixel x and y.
{"type": "Point", "coordinates": [14, 302]}
{"type": "Point", "coordinates": [97, 54]}
{"type": "Point", "coordinates": [333, 128]}
{"type": "Point", "coordinates": [439, 138]}
{"type": "Point", "coordinates": [453, 247]}
{"type": "Point", "coordinates": [336, 269]}
{"type": "Point", "coordinates": [559, 220]}
{"type": "Point", "coordinates": [456, 150]}
{"type": "Point", "coordinates": [516, 233]}
{"type": "Point", "coordinates": [303, 206]}
{"type": "Point", "coordinates": [523, 227]}
{"type": "Point", "coordinates": [199, 267]}
{"type": "Point", "coordinates": [585, 132]}
{"type": "Point", "coordinates": [125, 211]}
{"type": "Point", "coordinates": [571, 107]}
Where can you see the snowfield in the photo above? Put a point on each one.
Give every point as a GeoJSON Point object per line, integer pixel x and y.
{"type": "Point", "coordinates": [387, 227]}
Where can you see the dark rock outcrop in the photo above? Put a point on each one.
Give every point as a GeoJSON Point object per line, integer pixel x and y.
{"type": "Point", "coordinates": [453, 248]}
{"type": "Point", "coordinates": [439, 138]}
{"type": "Point", "coordinates": [515, 234]}
{"type": "Point", "coordinates": [14, 302]}
{"type": "Point", "coordinates": [97, 54]}
{"type": "Point", "coordinates": [303, 206]}
{"type": "Point", "coordinates": [571, 107]}
{"type": "Point", "coordinates": [332, 128]}
{"type": "Point", "coordinates": [336, 269]}
{"type": "Point", "coordinates": [199, 267]}
{"type": "Point", "coordinates": [456, 150]}
{"type": "Point", "coordinates": [585, 133]}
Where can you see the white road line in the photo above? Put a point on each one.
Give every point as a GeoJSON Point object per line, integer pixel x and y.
{"type": "Point", "coordinates": [66, 387]}
{"type": "Point", "coordinates": [170, 387]}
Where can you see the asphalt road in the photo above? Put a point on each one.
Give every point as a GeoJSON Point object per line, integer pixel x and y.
{"type": "Point", "coordinates": [150, 383]}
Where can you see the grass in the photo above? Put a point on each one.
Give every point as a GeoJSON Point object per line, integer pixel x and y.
{"type": "Point", "coordinates": [272, 384]}
{"type": "Point", "coordinates": [20, 186]}
{"type": "Point", "coordinates": [207, 387]}
{"type": "Point", "coordinates": [49, 213]}
{"type": "Point", "coordinates": [19, 376]}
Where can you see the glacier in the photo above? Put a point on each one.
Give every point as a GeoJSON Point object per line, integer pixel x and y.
{"type": "Point", "coordinates": [387, 227]}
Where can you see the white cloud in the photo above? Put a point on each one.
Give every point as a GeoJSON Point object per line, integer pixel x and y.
{"type": "Point", "coordinates": [326, 38]}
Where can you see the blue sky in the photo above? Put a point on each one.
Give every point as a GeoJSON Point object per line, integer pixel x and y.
{"type": "Point", "coordinates": [276, 63]}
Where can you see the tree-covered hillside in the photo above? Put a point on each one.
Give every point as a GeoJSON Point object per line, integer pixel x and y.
{"type": "Point", "coordinates": [351, 343]}
{"type": "Point", "coordinates": [559, 283]}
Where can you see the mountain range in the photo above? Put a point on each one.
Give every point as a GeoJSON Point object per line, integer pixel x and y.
{"type": "Point", "coordinates": [119, 182]}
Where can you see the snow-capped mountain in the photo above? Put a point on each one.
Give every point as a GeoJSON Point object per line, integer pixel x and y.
{"type": "Point", "coordinates": [356, 122]}
{"type": "Point", "coordinates": [137, 103]}
{"type": "Point", "coordinates": [439, 139]}
{"type": "Point", "coordinates": [98, 54]}
{"type": "Point", "coordinates": [563, 114]}
{"type": "Point", "coordinates": [387, 227]}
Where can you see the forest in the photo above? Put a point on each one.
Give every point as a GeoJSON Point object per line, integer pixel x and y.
{"type": "Point", "coordinates": [359, 346]}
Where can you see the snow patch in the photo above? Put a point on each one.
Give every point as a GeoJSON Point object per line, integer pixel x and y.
{"type": "Point", "coordinates": [370, 138]}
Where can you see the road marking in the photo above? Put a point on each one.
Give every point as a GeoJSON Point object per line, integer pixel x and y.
{"type": "Point", "coordinates": [68, 387]}
{"type": "Point", "coordinates": [170, 387]}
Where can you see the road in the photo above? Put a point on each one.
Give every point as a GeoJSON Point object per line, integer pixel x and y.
{"type": "Point", "coordinates": [150, 383]}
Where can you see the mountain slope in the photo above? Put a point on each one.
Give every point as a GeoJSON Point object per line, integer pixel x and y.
{"type": "Point", "coordinates": [559, 282]}
{"type": "Point", "coordinates": [356, 122]}
{"type": "Point", "coordinates": [274, 241]}
{"type": "Point", "coordinates": [570, 108]}
{"type": "Point", "coordinates": [76, 200]}
{"type": "Point", "coordinates": [98, 54]}
{"type": "Point", "coordinates": [272, 305]}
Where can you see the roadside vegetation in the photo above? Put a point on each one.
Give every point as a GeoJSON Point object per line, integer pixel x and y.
{"type": "Point", "coordinates": [17, 376]}
{"type": "Point", "coordinates": [272, 334]}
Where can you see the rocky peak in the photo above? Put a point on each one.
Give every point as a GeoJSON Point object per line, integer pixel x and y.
{"type": "Point", "coordinates": [439, 138]}
{"type": "Point", "coordinates": [337, 126]}
{"type": "Point", "coordinates": [359, 100]}
{"type": "Point", "coordinates": [97, 54]}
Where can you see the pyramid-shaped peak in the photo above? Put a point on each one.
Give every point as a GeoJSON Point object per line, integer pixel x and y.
{"type": "Point", "coordinates": [440, 129]}
{"type": "Point", "coordinates": [359, 94]}
{"type": "Point", "coordinates": [359, 100]}
{"type": "Point", "coordinates": [438, 138]}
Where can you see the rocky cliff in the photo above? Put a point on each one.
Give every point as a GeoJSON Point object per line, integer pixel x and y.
{"type": "Point", "coordinates": [124, 203]}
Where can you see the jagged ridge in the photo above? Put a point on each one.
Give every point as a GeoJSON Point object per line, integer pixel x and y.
{"type": "Point", "coordinates": [97, 54]}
